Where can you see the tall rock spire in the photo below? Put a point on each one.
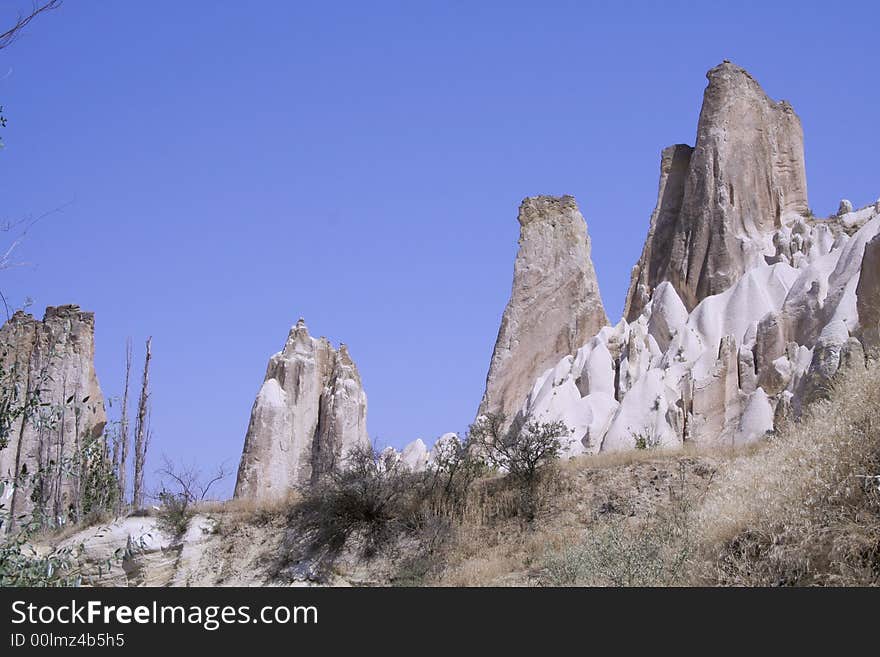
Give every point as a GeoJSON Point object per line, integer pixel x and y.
{"type": "Point", "coordinates": [718, 203]}
{"type": "Point", "coordinates": [554, 306]}
{"type": "Point", "coordinates": [309, 413]}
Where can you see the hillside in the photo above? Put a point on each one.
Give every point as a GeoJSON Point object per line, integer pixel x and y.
{"type": "Point", "coordinates": [801, 508]}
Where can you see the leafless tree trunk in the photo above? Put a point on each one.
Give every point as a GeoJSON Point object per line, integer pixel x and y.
{"type": "Point", "coordinates": [12, 33]}
{"type": "Point", "coordinates": [120, 449]}
{"type": "Point", "coordinates": [141, 434]}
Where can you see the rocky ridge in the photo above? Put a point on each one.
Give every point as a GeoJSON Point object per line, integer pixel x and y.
{"type": "Point", "coordinates": [718, 201]}
{"type": "Point", "coordinates": [741, 307]}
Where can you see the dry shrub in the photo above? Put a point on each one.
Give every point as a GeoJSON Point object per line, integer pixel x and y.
{"type": "Point", "coordinates": [365, 506]}
{"type": "Point", "coordinates": [525, 451]}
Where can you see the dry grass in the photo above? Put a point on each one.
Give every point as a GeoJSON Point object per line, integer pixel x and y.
{"type": "Point", "coordinates": [249, 507]}
{"type": "Point", "coordinates": [805, 508]}
{"type": "Point", "coordinates": [581, 499]}
{"type": "Point", "coordinates": [801, 508]}
{"type": "Point", "coordinates": [231, 515]}
{"type": "Point", "coordinates": [635, 456]}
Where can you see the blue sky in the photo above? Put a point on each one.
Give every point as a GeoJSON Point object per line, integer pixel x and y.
{"type": "Point", "coordinates": [225, 168]}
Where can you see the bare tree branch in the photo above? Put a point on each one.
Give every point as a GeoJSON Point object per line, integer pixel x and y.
{"type": "Point", "coordinates": [10, 35]}
{"type": "Point", "coordinates": [188, 479]}
{"type": "Point", "coordinates": [6, 256]}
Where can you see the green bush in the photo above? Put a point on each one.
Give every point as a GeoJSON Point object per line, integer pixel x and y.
{"type": "Point", "coordinates": [175, 513]}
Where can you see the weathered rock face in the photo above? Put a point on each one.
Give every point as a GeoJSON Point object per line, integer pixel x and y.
{"type": "Point", "coordinates": [719, 202]}
{"type": "Point", "coordinates": [554, 306]}
{"type": "Point", "coordinates": [742, 307]}
{"type": "Point", "coordinates": [309, 413]}
{"type": "Point", "coordinates": [57, 356]}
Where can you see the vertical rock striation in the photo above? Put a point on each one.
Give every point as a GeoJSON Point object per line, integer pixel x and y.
{"type": "Point", "coordinates": [56, 356]}
{"type": "Point", "coordinates": [554, 306]}
{"type": "Point", "coordinates": [309, 413]}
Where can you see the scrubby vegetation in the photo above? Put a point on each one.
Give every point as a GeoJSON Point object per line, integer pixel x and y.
{"type": "Point", "coordinates": [183, 489]}
{"type": "Point", "coordinates": [65, 491]}
{"type": "Point", "coordinates": [653, 550]}
{"type": "Point", "coordinates": [524, 451]}
{"type": "Point", "coordinates": [799, 508]}
{"type": "Point", "coordinates": [20, 563]}
{"type": "Point", "coordinates": [379, 507]}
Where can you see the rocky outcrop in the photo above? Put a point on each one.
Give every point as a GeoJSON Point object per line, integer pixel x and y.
{"type": "Point", "coordinates": [57, 357]}
{"type": "Point", "coordinates": [720, 201]}
{"type": "Point", "coordinates": [723, 373]}
{"type": "Point", "coordinates": [310, 412]}
{"type": "Point", "coordinates": [554, 306]}
{"type": "Point", "coordinates": [415, 456]}
{"type": "Point", "coordinates": [742, 307]}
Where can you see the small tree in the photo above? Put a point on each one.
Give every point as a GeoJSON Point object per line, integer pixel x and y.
{"type": "Point", "coordinates": [16, 401]}
{"type": "Point", "coordinates": [20, 563]}
{"type": "Point", "coordinates": [183, 488]}
{"type": "Point", "coordinates": [523, 451]}
{"type": "Point", "coordinates": [364, 499]}
{"type": "Point", "coordinates": [455, 465]}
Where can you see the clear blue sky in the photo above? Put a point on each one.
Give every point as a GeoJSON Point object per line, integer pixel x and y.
{"type": "Point", "coordinates": [228, 167]}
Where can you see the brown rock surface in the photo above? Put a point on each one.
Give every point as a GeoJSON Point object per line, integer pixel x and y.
{"type": "Point", "coordinates": [743, 180]}
{"type": "Point", "coordinates": [554, 307]}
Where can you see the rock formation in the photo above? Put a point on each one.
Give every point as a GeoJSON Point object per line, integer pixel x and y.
{"type": "Point", "coordinates": [742, 307]}
{"type": "Point", "coordinates": [719, 201]}
{"type": "Point", "coordinates": [554, 306]}
{"type": "Point", "coordinates": [722, 373]}
{"type": "Point", "coordinates": [57, 357]}
{"type": "Point", "coordinates": [310, 412]}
